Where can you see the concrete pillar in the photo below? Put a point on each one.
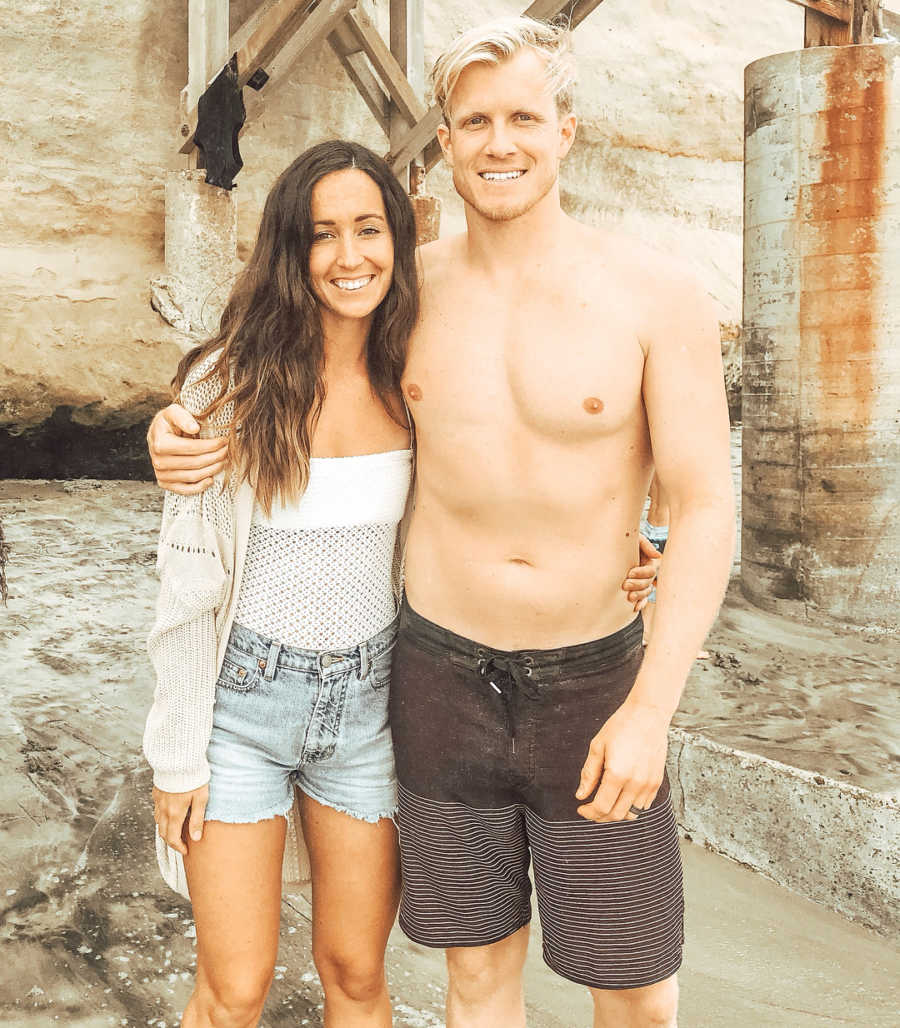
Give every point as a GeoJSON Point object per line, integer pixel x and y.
{"type": "Point", "coordinates": [201, 253]}
{"type": "Point", "coordinates": [821, 364]}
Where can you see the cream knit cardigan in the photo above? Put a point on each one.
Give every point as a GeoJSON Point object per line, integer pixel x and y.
{"type": "Point", "coordinates": [202, 546]}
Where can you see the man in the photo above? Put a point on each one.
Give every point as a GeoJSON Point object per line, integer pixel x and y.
{"type": "Point", "coordinates": [552, 367]}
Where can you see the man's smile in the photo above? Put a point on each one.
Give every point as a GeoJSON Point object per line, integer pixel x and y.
{"type": "Point", "coordinates": [501, 176]}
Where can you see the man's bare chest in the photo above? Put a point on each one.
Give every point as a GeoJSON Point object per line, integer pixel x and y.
{"type": "Point", "coordinates": [567, 370]}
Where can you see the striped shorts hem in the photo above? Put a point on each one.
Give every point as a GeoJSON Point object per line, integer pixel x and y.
{"type": "Point", "coordinates": [609, 895]}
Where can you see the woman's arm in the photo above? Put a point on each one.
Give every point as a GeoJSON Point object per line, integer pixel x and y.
{"type": "Point", "coordinates": [194, 563]}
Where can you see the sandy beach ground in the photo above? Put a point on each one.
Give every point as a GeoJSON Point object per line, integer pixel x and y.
{"type": "Point", "coordinates": [100, 941]}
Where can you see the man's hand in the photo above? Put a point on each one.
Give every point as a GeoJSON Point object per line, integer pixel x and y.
{"type": "Point", "coordinates": [627, 758]}
{"type": "Point", "coordinates": [171, 809]}
{"type": "Point", "coordinates": [639, 581]}
{"type": "Point", "coordinates": [183, 464]}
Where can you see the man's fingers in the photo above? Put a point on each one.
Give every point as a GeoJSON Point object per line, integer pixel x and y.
{"type": "Point", "coordinates": [600, 806]}
{"type": "Point", "coordinates": [591, 770]}
{"type": "Point", "coordinates": [180, 419]}
{"type": "Point", "coordinates": [190, 476]}
{"type": "Point", "coordinates": [186, 490]}
{"type": "Point", "coordinates": [191, 459]}
{"type": "Point", "coordinates": [647, 549]}
{"type": "Point", "coordinates": [627, 799]}
{"type": "Point", "coordinates": [639, 575]}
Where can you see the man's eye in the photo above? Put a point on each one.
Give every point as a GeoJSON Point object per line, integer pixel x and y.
{"type": "Point", "coordinates": [524, 117]}
{"type": "Point", "coordinates": [475, 122]}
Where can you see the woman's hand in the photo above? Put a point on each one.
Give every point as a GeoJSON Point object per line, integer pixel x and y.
{"type": "Point", "coordinates": [639, 581]}
{"type": "Point", "coordinates": [171, 810]}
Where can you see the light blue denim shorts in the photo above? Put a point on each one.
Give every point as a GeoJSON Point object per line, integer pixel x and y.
{"type": "Point", "coordinates": [317, 719]}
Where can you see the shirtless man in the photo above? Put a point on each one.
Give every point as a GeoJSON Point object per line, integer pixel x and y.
{"type": "Point", "coordinates": [552, 367]}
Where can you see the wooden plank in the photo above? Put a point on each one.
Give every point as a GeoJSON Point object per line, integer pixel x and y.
{"type": "Point", "coordinates": [416, 140]}
{"type": "Point", "coordinates": [574, 11]}
{"type": "Point", "coordinates": [207, 46]}
{"type": "Point", "coordinates": [286, 20]}
{"type": "Point", "coordinates": [388, 69]}
{"type": "Point", "coordinates": [280, 23]}
{"type": "Point", "coordinates": [822, 30]}
{"type": "Point", "coordinates": [343, 42]}
{"type": "Point", "coordinates": [407, 48]}
{"type": "Point", "coordinates": [838, 10]}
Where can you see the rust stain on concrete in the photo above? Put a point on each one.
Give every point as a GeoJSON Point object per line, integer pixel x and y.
{"type": "Point", "coordinates": [839, 217]}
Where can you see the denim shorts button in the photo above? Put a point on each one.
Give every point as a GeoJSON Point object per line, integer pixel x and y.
{"type": "Point", "coordinates": [326, 660]}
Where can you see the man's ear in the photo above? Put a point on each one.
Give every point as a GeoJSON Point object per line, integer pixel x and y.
{"type": "Point", "coordinates": [567, 127]}
{"type": "Point", "coordinates": [443, 137]}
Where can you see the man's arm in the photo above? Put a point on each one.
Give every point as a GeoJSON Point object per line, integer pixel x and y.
{"type": "Point", "coordinates": [688, 417]}
{"type": "Point", "coordinates": [183, 463]}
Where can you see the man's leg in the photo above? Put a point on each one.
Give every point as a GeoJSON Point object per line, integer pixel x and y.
{"type": "Point", "coordinates": [654, 1006]}
{"type": "Point", "coordinates": [485, 984]}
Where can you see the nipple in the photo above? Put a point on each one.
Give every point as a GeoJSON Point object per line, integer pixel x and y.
{"type": "Point", "coordinates": [592, 405]}
{"type": "Point", "coordinates": [413, 391]}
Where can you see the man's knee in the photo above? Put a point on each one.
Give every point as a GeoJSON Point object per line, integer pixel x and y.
{"type": "Point", "coordinates": [357, 977]}
{"type": "Point", "coordinates": [479, 971]}
{"type": "Point", "coordinates": [654, 1006]}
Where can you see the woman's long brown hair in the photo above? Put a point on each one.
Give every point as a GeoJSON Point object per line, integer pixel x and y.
{"type": "Point", "coordinates": [271, 363]}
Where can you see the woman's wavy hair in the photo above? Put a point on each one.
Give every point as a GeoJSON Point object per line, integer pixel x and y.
{"type": "Point", "coordinates": [270, 335]}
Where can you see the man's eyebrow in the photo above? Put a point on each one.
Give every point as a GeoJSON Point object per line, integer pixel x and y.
{"type": "Point", "coordinates": [361, 217]}
{"type": "Point", "coordinates": [465, 115]}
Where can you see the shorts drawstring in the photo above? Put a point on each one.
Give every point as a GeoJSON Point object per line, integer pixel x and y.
{"type": "Point", "coordinates": [503, 675]}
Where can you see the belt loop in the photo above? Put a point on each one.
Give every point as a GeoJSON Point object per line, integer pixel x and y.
{"type": "Point", "coordinates": [272, 661]}
{"type": "Point", "coordinates": [363, 659]}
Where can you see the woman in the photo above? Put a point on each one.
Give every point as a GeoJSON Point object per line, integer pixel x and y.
{"type": "Point", "coordinates": [275, 622]}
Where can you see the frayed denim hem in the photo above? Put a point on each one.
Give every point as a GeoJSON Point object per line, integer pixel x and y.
{"type": "Point", "coordinates": [372, 819]}
{"type": "Point", "coordinates": [279, 810]}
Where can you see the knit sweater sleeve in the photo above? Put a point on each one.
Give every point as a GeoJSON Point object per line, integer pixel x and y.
{"type": "Point", "coordinates": [194, 563]}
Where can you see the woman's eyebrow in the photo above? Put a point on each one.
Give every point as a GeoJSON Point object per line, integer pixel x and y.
{"type": "Point", "coordinates": [361, 217]}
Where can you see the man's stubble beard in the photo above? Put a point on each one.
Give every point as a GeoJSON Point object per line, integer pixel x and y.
{"type": "Point", "coordinates": [502, 213]}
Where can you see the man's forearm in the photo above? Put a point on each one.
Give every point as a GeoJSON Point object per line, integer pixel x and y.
{"type": "Point", "coordinates": [692, 582]}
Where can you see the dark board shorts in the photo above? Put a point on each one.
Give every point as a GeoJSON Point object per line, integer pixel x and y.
{"type": "Point", "coordinates": [489, 747]}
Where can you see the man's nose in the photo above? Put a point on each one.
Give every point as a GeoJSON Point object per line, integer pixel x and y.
{"type": "Point", "coordinates": [500, 142]}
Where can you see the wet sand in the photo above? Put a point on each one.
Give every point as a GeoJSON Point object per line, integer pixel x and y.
{"type": "Point", "coordinates": [100, 941]}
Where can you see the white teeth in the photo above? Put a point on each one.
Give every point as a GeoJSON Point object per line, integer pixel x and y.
{"type": "Point", "coordinates": [350, 284]}
{"type": "Point", "coordinates": [501, 176]}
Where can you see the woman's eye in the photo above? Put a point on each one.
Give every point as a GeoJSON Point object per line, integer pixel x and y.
{"type": "Point", "coordinates": [369, 230]}
{"type": "Point", "coordinates": [320, 236]}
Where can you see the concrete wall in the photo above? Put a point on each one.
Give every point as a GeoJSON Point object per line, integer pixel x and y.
{"type": "Point", "coordinates": [87, 124]}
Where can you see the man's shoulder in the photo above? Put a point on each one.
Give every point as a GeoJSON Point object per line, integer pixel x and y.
{"type": "Point", "coordinates": [633, 258]}
{"type": "Point", "coordinates": [441, 253]}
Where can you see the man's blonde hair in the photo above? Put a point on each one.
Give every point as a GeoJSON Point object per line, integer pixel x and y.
{"type": "Point", "coordinates": [497, 40]}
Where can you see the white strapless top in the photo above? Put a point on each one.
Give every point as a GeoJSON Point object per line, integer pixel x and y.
{"type": "Point", "coordinates": [318, 573]}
